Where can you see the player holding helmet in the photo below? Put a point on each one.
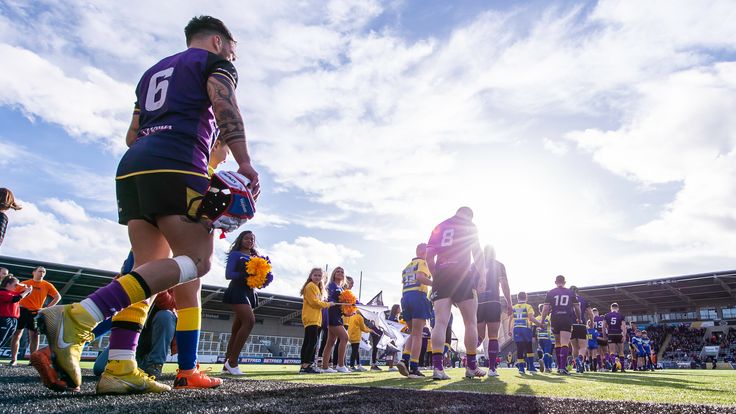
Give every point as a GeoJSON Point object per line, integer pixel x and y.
{"type": "Point", "coordinates": [161, 181]}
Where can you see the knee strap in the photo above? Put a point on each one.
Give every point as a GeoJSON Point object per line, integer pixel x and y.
{"type": "Point", "coordinates": [187, 268]}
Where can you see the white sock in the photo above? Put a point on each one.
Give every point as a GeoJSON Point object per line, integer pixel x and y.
{"type": "Point", "coordinates": [121, 354]}
{"type": "Point", "coordinates": [91, 307]}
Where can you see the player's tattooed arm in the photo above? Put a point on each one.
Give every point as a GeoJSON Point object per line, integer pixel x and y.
{"type": "Point", "coordinates": [221, 92]}
{"type": "Point", "coordinates": [222, 96]}
{"type": "Point", "coordinates": [132, 135]}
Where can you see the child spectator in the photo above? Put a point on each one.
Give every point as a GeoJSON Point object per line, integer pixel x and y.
{"type": "Point", "coordinates": [313, 292]}
{"type": "Point", "coordinates": [10, 296]}
{"type": "Point", "coordinates": [356, 327]}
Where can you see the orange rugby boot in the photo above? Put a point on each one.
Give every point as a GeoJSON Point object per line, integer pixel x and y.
{"type": "Point", "coordinates": [194, 378]}
{"type": "Point", "coordinates": [41, 360]}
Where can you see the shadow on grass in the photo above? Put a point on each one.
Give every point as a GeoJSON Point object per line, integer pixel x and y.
{"type": "Point", "coordinates": [642, 379]}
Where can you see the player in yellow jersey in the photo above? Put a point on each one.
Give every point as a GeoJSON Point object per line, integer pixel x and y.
{"type": "Point", "coordinates": [545, 340]}
{"type": "Point", "coordinates": [520, 324]}
{"type": "Point", "coordinates": [416, 309]}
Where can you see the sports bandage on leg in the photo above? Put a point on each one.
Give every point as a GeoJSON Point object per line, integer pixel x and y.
{"type": "Point", "coordinates": [187, 268]}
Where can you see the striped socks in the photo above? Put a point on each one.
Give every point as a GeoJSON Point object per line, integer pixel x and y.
{"type": "Point", "coordinates": [187, 336]}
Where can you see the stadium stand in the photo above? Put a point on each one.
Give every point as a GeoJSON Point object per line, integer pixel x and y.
{"type": "Point", "coordinates": [679, 312]}
{"type": "Point", "coordinates": [682, 314]}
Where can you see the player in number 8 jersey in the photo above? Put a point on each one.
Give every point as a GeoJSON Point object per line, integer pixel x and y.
{"type": "Point", "coordinates": [449, 250]}
{"type": "Point", "coordinates": [563, 305]}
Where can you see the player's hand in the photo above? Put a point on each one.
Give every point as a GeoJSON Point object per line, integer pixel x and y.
{"type": "Point", "coordinates": [251, 174]}
{"type": "Point", "coordinates": [331, 304]}
{"type": "Point", "coordinates": [509, 310]}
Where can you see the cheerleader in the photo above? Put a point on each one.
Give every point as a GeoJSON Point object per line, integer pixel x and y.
{"type": "Point", "coordinates": [335, 329]}
{"type": "Point", "coordinates": [242, 298]}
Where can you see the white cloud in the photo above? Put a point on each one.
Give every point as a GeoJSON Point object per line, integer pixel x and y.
{"type": "Point", "coordinates": [94, 190]}
{"type": "Point", "coordinates": [65, 233]}
{"type": "Point", "coordinates": [555, 147]}
{"type": "Point", "coordinates": [679, 130]}
{"type": "Point", "coordinates": [298, 257]}
{"type": "Point", "coordinates": [91, 106]}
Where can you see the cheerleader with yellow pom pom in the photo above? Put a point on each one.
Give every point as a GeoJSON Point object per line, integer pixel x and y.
{"type": "Point", "coordinates": [337, 293]}
{"type": "Point", "coordinates": [247, 271]}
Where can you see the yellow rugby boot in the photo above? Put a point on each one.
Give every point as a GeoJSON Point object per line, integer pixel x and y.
{"type": "Point", "coordinates": [124, 377]}
{"type": "Point", "coordinates": [66, 337]}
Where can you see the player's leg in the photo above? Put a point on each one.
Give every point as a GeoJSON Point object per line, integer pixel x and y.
{"type": "Point", "coordinates": [417, 326]}
{"type": "Point", "coordinates": [482, 328]}
{"type": "Point", "coordinates": [575, 349]}
{"type": "Point", "coordinates": [528, 345]}
{"type": "Point", "coordinates": [582, 346]}
{"type": "Point", "coordinates": [493, 348]}
{"type": "Point", "coordinates": [407, 303]}
{"type": "Point", "coordinates": [122, 375]}
{"type": "Point", "coordinates": [193, 253]}
{"type": "Point", "coordinates": [564, 337]}
{"type": "Point", "coordinates": [469, 311]}
{"type": "Point", "coordinates": [403, 365]}
{"type": "Point", "coordinates": [442, 309]}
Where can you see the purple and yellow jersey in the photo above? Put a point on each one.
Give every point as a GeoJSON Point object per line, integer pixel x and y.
{"type": "Point", "coordinates": [522, 314]}
{"type": "Point", "coordinates": [495, 272]}
{"type": "Point", "coordinates": [561, 301]}
{"type": "Point", "coordinates": [409, 276]}
{"type": "Point", "coordinates": [453, 241]}
{"type": "Point", "coordinates": [614, 321]}
{"type": "Point", "coordinates": [177, 126]}
{"type": "Point", "coordinates": [599, 324]}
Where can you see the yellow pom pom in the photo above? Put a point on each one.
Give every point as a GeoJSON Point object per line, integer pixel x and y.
{"type": "Point", "coordinates": [257, 269]}
{"type": "Point", "coordinates": [348, 297]}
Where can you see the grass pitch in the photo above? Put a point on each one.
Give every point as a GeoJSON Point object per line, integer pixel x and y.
{"type": "Point", "coordinates": [279, 389]}
{"type": "Point", "coordinates": [666, 386]}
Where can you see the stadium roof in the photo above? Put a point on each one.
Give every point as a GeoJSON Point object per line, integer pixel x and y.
{"type": "Point", "coordinates": [76, 282]}
{"type": "Point", "coordinates": [678, 293]}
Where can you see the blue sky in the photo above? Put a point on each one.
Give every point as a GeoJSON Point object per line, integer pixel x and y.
{"type": "Point", "coordinates": [594, 140]}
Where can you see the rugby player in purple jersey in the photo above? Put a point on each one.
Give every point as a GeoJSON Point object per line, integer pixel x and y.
{"type": "Point", "coordinates": [449, 251]}
{"type": "Point", "coordinates": [579, 339]}
{"type": "Point", "coordinates": [489, 306]}
{"type": "Point", "coordinates": [183, 102]}
{"type": "Point", "coordinates": [600, 325]}
{"type": "Point", "coordinates": [564, 309]}
{"type": "Point", "coordinates": [616, 328]}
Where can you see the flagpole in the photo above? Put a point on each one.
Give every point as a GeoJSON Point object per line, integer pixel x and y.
{"type": "Point", "coordinates": [360, 286]}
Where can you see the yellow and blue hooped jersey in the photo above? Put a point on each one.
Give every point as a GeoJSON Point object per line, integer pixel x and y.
{"type": "Point", "coordinates": [522, 313]}
{"type": "Point", "coordinates": [545, 333]}
{"type": "Point", "coordinates": [409, 276]}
